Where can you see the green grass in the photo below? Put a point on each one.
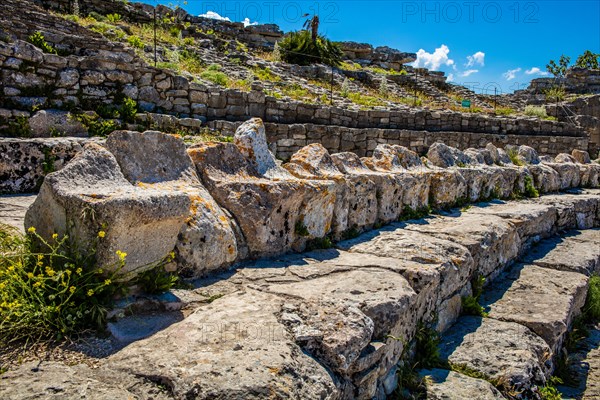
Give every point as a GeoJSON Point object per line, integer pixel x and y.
{"type": "Point", "coordinates": [504, 111]}
{"type": "Point", "coordinates": [135, 42]}
{"type": "Point", "coordinates": [365, 100]}
{"type": "Point", "coordinates": [513, 154]}
{"type": "Point", "coordinates": [213, 73]}
{"type": "Point", "coordinates": [530, 190]}
{"type": "Point", "coordinates": [549, 391]}
{"type": "Point", "coordinates": [157, 280]}
{"type": "Point", "coordinates": [535, 111]}
{"type": "Point", "coordinates": [592, 304]}
{"type": "Point", "coordinates": [319, 243]}
{"type": "Point", "coordinates": [470, 304]}
{"type": "Point", "coordinates": [427, 351]}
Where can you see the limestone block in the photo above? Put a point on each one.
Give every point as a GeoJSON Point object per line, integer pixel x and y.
{"type": "Point", "coordinates": [152, 159]}
{"type": "Point", "coordinates": [91, 194]}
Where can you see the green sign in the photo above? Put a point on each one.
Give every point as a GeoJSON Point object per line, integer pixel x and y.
{"type": "Point", "coordinates": [466, 103]}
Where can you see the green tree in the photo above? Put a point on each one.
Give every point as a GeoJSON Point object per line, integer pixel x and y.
{"type": "Point", "coordinates": [559, 70]}
{"type": "Point", "coordinates": [587, 60]}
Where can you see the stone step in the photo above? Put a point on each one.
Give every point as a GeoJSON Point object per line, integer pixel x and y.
{"type": "Point", "coordinates": [334, 323]}
{"type": "Point", "coordinates": [442, 384]}
{"type": "Point", "coordinates": [578, 251]}
{"type": "Point", "coordinates": [544, 300]}
{"type": "Point", "coordinates": [507, 353]}
{"type": "Point", "coordinates": [538, 299]}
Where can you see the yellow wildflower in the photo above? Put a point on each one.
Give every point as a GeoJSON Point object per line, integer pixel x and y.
{"type": "Point", "coordinates": [101, 234]}
{"type": "Point", "coordinates": [72, 289]}
{"type": "Point", "coordinates": [78, 271]}
{"type": "Point", "coordinates": [55, 236]}
{"type": "Point", "coordinates": [11, 268]}
{"type": "Point", "coordinates": [90, 293]}
{"type": "Point", "coordinates": [107, 282]}
{"type": "Point", "coordinates": [121, 255]}
{"type": "Point", "coordinates": [69, 272]}
{"type": "Point", "coordinates": [37, 284]}
{"type": "Point", "coordinates": [30, 275]}
{"type": "Point", "coordinates": [31, 229]}
{"type": "Point", "coordinates": [49, 271]}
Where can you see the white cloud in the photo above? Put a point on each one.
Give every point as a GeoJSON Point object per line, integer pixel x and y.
{"type": "Point", "coordinates": [469, 72]}
{"type": "Point", "coordinates": [536, 71]}
{"type": "Point", "coordinates": [435, 60]}
{"type": "Point", "coordinates": [450, 78]}
{"type": "Point", "coordinates": [247, 22]}
{"type": "Point", "coordinates": [476, 59]}
{"type": "Point", "coordinates": [511, 74]}
{"type": "Point", "coordinates": [214, 15]}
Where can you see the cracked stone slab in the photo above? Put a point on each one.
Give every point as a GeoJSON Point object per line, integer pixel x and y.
{"type": "Point", "coordinates": [545, 300]}
{"type": "Point", "coordinates": [233, 348]}
{"type": "Point", "coordinates": [492, 241]}
{"type": "Point", "coordinates": [442, 384]}
{"type": "Point", "coordinates": [503, 351]}
{"type": "Point", "coordinates": [13, 209]}
{"type": "Point", "coordinates": [578, 251]}
{"type": "Point", "coordinates": [52, 380]}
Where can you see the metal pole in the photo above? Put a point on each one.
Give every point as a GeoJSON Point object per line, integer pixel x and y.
{"type": "Point", "coordinates": [416, 83]}
{"type": "Point", "coordinates": [331, 98]}
{"type": "Point", "coordinates": [495, 96]}
{"type": "Point", "coordinates": [155, 57]}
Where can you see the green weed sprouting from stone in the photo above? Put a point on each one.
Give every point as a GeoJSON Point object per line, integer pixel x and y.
{"type": "Point", "coordinates": [549, 390]}
{"type": "Point", "coordinates": [157, 280]}
{"type": "Point", "coordinates": [513, 154]}
{"type": "Point", "coordinates": [37, 39]}
{"type": "Point", "coordinates": [301, 229]}
{"type": "Point", "coordinates": [591, 310]}
{"type": "Point", "coordinates": [48, 290]}
{"type": "Point", "coordinates": [470, 304]}
{"type": "Point", "coordinates": [427, 350]}
{"type": "Point", "coordinates": [319, 243]}
{"type": "Point", "coordinates": [530, 190]}
{"type": "Point", "coordinates": [114, 18]}
{"type": "Point", "coordinates": [128, 110]}
{"type": "Point", "coordinates": [135, 41]}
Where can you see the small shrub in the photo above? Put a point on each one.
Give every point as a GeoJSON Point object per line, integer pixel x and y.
{"type": "Point", "coordinates": [135, 41]}
{"type": "Point", "coordinates": [97, 16]}
{"type": "Point", "coordinates": [530, 190]}
{"type": "Point", "coordinates": [319, 243]}
{"type": "Point", "coordinates": [215, 76]}
{"type": "Point", "coordinates": [536, 111]}
{"type": "Point", "coordinates": [19, 127]}
{"type": "Point", "coordinates": [49, 290]}
{"type": "Point", "coordinates": [504, 111]}
{"type": "Point", "coordinates": [345, 88]}
{"type": "Point", "coordinates": [513, 154]}
{"type": "Point", "coordinates": [409, 213]}
{"type": "Point", "coordinates": [350, 233]}
{"type": "Point", "coordinates": [38, 40]}
{"type": "Point", "coordinates": [157, 280]}
{"type": "Point", "coordinates": [549, 391]}
{"type": "Point", "coordinates": [592, 304]}
{"type": "Point", "coordinates": [114, 18]}
{"type": "Point", "coordinates": [383, 88]}
{"type": "Point", "coordinates": [427, 352]}
{"type": "Point", "coordinates": [276, 56]}
{"type": "Point", "coordinates": [300, 228]}
{"type": "Point", "coordinates": [97, 126]}
{"type": "Point", "coordinates": [128, 110]}
{"type": "Point", "coordinates": [555, 93]}
{"type": "Point", "coordinates": [299, 48]}
{"type": "Point", "coordinates": [470, 306]}
{"type": "Point", "coordinates": [265, 74]}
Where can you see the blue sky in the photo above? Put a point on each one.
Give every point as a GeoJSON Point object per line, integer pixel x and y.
{"type": "Point", "coordinates": [481, 44]}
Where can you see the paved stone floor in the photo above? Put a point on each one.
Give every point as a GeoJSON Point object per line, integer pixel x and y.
{"type": "Point", "coordinates": [13, 209]}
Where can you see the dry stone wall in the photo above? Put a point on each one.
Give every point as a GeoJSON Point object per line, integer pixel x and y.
{"type": "Point", "coordinates": [98, 71]}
